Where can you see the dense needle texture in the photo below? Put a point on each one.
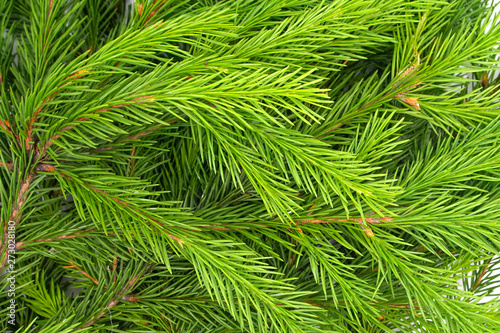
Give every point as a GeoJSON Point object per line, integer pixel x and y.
{"type": "Point", "coordinates": [262, 166]}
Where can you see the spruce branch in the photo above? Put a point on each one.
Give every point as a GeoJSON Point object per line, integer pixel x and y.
{"type": "Point", "coordinates": [82, 272]}
{"type": "Point", "coordinates": [481, 275]}
{"type": "Point", "coordinates": [81, 233]}
{"type": "Point", "coordinates": [250, 166]}
{"type": "Point", "coordinates": [121, 296]}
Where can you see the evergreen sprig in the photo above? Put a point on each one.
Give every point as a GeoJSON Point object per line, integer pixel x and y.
{"type": "Point", "coordinates": [249, 166]}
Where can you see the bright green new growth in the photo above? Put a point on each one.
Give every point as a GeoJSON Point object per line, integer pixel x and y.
{"type": "Point", "coordinates": [249, 166]}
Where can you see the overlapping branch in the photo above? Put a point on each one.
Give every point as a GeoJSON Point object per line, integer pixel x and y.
{"type": "Point", "coordinates": [121, 296]}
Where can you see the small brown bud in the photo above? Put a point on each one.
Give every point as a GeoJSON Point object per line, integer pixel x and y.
{"type": "Point", "coordinates": [413, 102]}
{"type": "Point", "coordinates": [369, 232]}
{"type": "Point", "coordinates": [82, 71]}
{"type": "Point", "coordinates": [484, 81]}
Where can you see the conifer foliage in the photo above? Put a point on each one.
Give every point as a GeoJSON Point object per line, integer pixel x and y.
{"type": "Point", "coordinates": [249, 166]}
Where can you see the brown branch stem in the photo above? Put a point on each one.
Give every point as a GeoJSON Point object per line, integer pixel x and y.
{"type": "Point", "coordinates": [21, 245]}
{"type": "Point", "coordinates": [136, 136]}
{"type": "Point", "coordinates": [15, 215]}
{"type": "Point", "coordinates": [481, 275]}
{"type": "Point", "coordinates": [9, 166]}
{"type": "Point", "coordinates": [134, 101]}
{"type": "Point", "coordinates": [29, 135]}
{"type": "Point", "coordinates": [5, 124]}
{"type": "Point", "coordinates": [83, 272]}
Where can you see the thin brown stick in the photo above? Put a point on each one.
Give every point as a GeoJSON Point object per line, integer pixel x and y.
{"type": "Point", "coordinates": [9, 166]}
{"type": "Point", "coordinates": [83, 272]}
{"type": "Point", "coordinates": [154, 11]}
{"type": "Point", "coordinates": [21, 245]}
{"type": "Point", "coordinates": [8, 128]}
{"type": "Point", "coordinates": [136, 100]}
{"type": "Point", "coordinates": [481, 275]}
{"type": "Point", "coordinates": [136, 136]}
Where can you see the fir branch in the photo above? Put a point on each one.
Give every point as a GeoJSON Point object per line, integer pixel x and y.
{"type": "Point", "coordinates": [81, 233]}
{"type": "Point", "coordinates": [82, 272]}
{"type": "Point", "coordinates": [293, 120]}
{"type": "Point", "coordinates": [481, 275]}
{"type": "Point", "coordinates": [121, 203]}
{"type": "Point", "coordinates": [134, 101]}
{"type": "Point", "coordinates": [121, 296]}
{"type": "Point", "coordinates": [70, 79]}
